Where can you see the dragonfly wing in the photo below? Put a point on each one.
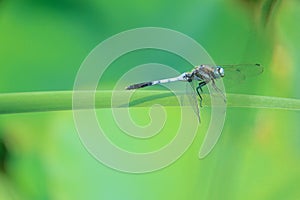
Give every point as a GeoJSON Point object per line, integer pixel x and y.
{"type": "Point", "coordinates": [242, 71]}
{"type": "Point", "coordinates": [191, 95]}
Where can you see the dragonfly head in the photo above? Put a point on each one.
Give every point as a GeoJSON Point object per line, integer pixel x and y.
{"type": "Point", "coordinates": [220, 72]}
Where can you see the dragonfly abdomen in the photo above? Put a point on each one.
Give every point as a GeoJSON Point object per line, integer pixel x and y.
{"type": "Point", "coordinates": [162, 81]}
{"type": "Point", "coordinates": [139, 85]}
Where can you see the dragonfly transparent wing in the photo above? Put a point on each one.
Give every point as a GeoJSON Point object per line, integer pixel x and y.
{"type": "Point", "coordinates": [240, 72]}
{"type": "Point", "coordinates": [193, 100]}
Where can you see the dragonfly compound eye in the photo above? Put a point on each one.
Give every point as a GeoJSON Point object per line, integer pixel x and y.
{"type": "Point", "coordinates": [221, 71]}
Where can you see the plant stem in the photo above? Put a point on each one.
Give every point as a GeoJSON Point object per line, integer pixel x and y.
{"type": "Point", "coordinates": [62, 100]}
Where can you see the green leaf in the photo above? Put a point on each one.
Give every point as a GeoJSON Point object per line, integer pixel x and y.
{"type": "Point", "coordinates": [62, 100]}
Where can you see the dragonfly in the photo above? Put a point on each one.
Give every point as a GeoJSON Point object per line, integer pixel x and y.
{"type": "Point", "coordinates": [205, 74]}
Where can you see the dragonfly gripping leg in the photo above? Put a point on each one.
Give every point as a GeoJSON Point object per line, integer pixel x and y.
{"type": "Point", "coordinates": [199, 89]}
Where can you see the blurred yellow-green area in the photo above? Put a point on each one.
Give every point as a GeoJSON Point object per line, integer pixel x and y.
{"type": "Point", "coordinates": [44, 42]}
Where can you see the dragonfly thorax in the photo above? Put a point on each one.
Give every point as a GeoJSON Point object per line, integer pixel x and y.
{"type": "Point", "coordinates": [207, 73]}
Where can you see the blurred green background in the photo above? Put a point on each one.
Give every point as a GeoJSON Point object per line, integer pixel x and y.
{"type": "Point", "coordinates": [42, 44]}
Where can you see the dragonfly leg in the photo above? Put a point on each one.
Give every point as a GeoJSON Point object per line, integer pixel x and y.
{"type": "Point", "coordinates": [199, 89]}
